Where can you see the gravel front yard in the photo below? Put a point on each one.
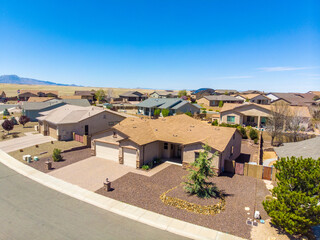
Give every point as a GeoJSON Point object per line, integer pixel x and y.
{"type": "Point", "coordinates": [144, 192]}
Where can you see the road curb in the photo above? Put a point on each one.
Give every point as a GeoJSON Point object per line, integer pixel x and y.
{"type": "Point", "coordinates": [126, 210]}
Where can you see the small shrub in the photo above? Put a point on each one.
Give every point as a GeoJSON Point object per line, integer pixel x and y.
{"type": "Point", "coordinates": [203, 108]}
{"type": "Point", "coordinates": [21, 150]}
{"type": "Point", "coordinates": [56, 155]}
{"type": "Point", "coordinates": [215, 122]}
{"type": "Point", "coordinates": [165, 112]}
{"type": "Point", "coordinates": [253, 134]}
{"type": "Point", "coordinates": [255, 141]}
{"type": "Point", "coordinates": [6, 112]}
{"type": "Point", "coordinates": [156, 161]}
{"type": "Point", "coordinates": [204, 111]}
{"type": "Point", "coordinates": [145, 167]}
{"type": "Point", "coordinates": [210, 109]}
{"type": "Point", "coordinates": [220, 104]}
{"type": "Point", "coordinates": [15, 135]}
{"type": "Point", "coordinates": [156, 112]}
{"type": "Point", "coordinates": [150, 164]}
{"type": "Point", "coordinates": [4, 117]}
{"type": "Point", "coordinates": [229, 125]}
{"type": "Point", "coordinates": [217, 110]}
{"type": "Point", "coordinates": [243, 132]}
{"type": "Point", "coordinates": [189, 114]}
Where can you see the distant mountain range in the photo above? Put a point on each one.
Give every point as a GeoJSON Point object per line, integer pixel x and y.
{"type": "Point", "coordinates": [14, 79]}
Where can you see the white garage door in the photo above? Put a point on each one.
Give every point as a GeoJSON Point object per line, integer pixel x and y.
{"type": "Point", "coordinates": [129, 157]}
{"type": "Point", "coordinates": [107, 151]}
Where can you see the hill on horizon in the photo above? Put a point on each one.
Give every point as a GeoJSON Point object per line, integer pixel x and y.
{"type": "Point", "coordinates": [14, 79]}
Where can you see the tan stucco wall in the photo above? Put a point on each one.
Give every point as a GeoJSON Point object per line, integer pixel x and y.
{"type": "Point", "coordinates": [224, 115]}
{"type": "Point", "coordinates": [251, 110]}
{"type": "Point", "coordinates": [203, 101]}
{"type": "Point", "coordinates": [96, 124]}
{"type": "Point", "coordinates": [151, 151]}
{"type": "Point", "coordinates": [260, 97]}
{"type": "Point", "coordinates": [226, 154]}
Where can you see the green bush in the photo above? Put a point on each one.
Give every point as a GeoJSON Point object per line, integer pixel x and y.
{"type": "Point", "coordinates": [156, 112]}
{"type": "Point", "coordinates": [243, 132]}
{"type": "Point", "coordinates": [56, 155]}
{"type": "Point", "coordinates": [188, 113]}
{"type": "Point", "coordinates": [220, 104]}
{"type": "Point", "coordinates": [204, 111]}
{"type": "Point", "coordinates": [165, 112]}
{"type": "Point", "coordinates": [210, 109]}
{"type": "Point", "coordinates": [217, 110]}
{"type": "Point", "coordinates": [145, 167]}
{"type": "Point", "coordinates": [255, 141]}
{"type": "Point", "coordinates": [229, 125]}
{"type": "Point", "coordinates": [4, 117]}
{"type": "Point", "coordinates": [6, 112]}
{"type": "Point", "coordinates": [253, 134]}
{"type": "Point", "coordinates": [203, 108]}
{"type": "Point", "coordinates": [215, 122]}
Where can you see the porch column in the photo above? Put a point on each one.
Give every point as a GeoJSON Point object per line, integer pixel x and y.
{"type": "Point", "coordinates": [259, 121]}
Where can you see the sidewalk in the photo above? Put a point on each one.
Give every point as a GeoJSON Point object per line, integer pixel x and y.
{"type": "Point", "coordinates": [138, 214]}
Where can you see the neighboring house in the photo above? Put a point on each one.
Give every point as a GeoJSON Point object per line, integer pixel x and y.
{"type": "Point", "coordinates": [180, 138]}
{"type": "Point", "coordinates": [174, 105]}
{"type": "Point", "coordinates": [294, 99]}
{"type": "Point", "coordinates": [63, 121]}
{"type": "Point", "coordinates": [133, 96]}
{"type": "Point", "coordinates": [164, 94]}
{"type": "Point", "coordinates": [33, 109]}
{"type": "Point", "coordinates": [24, 95]}
{"type": "Point", "coordinates": [39, 99]}
{"type": "Point", "coordinates": [214, 100]}
{"type": "Point", "coordinates": [202, 92]}
{"type": "Point", "coordinates": [70, 97]}
{"type": "Point", "coordinates": [252, 92]}
{"type": "Point", "coordinates": [254, 98]}
{"type": "Point", "coordinates": [256, 115]}
{"type": "Point", "coordinates": [226, 91]}
{"type": "Point", "coordinates": [89, 95]}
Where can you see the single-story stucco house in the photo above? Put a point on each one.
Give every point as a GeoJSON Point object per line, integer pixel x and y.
{"type": "Point", "coordinates": [214, 100]}
{"type": "Point", "coordinates": [135, 142]}
{"type": "Point", "coordinates": [133, 96]}
{"type": "Point", "coordinates": [164, 94]}
{"type": "Point", "coordinates": [33, 109]}
{"type": "Point", "coordinates": [254, 98]}
{"type": "Point", "coordinates": [63, 121]}
{"type": "Point", "coordinates": [174, 105]}
{"type": "Point", "coordinates": [256, 115]}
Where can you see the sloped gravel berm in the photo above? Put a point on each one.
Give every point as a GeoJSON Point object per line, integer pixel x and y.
{"type": "Point", "coordinates": [138, 214]}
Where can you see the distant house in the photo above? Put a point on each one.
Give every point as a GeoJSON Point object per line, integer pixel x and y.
{"type": "Point", "coordinates": [133, 96]}
{"type": "Point", "coordinates": [256, 115]}
{"type": "Point", "coordinates": [63, 121]}
{"type": "Point", "coordinates": [202, 92]}
{"type": "Point", "coordinates": [294, 99]}
{"type": "Point", "coordinates": [24, 95]}
{"type": "Point", "coordinates": [70, 97]}
{"type": "Point", "coordinates": [214, 100]}
{"type": "Point", "coordinates": [89, 95]}
{"type": "Point", "coordinates": [137, 142]}
{"type": "Point", "coordinates": [174, 105]}
{"type": "Point", "coordinates": [33, 109]}
{"type": "Point", "coordinates": [252, 92]}
{"type": "Point", "coordinates": [226, 91]}
{"type": "Point", "coordinates": [164, 94]}
{"type": "Point", "coordinates": [254, 98]}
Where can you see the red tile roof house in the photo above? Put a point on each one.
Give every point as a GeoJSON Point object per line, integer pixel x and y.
{"type": "Point", "coordinates": [63, 121]}
{"type": "Point", "coordinates": [135, 142]}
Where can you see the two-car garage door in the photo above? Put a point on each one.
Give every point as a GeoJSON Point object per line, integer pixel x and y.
{"type": "Point", "coordinates": [111, 152]}
{"type": "Point", "coordinates": [107, 151]}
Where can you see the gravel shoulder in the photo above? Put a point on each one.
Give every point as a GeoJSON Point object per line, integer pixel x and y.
{"type": "Point", "coordinates": [144, 192]}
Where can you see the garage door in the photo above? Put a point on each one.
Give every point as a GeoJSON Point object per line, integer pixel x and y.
{"type": "Point", "coordinates": [53, 132]}
{"type": "Point", "coordinates": [129, 157]}
{"type": "Point", "coordinates": [107, 151]}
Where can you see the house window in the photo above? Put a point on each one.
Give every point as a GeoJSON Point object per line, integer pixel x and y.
{"type": "Point", "coordinates": [250, 119]}
{"type": "Point", "coordinates": [111, 124]}
{"type": "Point", "coordinates": [104, 116]}
{"type": "Point", "coordinates": [196, 155]}
{"type": "Point", "coordinates": [165, 146]}
{"type": "Point", "coordinates": [231, 119]}
{"type": "Point", "coordinates": [231, 151]}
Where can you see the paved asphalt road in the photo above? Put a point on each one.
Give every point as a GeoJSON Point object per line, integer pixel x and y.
{"type": "Point", "coordinates": [29, 210]}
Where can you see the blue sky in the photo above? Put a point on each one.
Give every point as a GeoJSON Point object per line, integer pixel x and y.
{"type": "Point", "coordinates": [166, 44]}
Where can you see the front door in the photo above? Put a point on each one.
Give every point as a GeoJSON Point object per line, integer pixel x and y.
{"type": "Point", "coordinates": [86, 130]}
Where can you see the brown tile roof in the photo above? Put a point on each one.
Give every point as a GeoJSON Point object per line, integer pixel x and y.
{"type": "Point", "coordinates": [180, 129]}
{"type": "Point", "coordinates": [38, 91]}
{"type": "Point", "coordinates": [39, 99]}
{"type": "Point", "coordinates": [298, 99]}
{"type": "Point", "coordinates": [249, 96]}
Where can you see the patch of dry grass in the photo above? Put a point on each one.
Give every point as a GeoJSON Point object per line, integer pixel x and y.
{"type": "Point", "coordinates": [45, 147]}
{"type": "Point", "coordinates": [18, 131]}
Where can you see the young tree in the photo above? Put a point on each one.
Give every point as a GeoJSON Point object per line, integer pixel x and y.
{"type": "Point", "coordinates": [24, 120]}
{"type": "Point", "coordinates": [220, 104]}
{"type": "Point", "coordinates": [295, 123]}
{"type": "Point", "coordinates": [156, 112]}
{"type": "Point", "coordinates": [56, 155]}
{"type": "Point", "coordinates": [253, 134]}
{"type": "Point", "coordinates": [100, 95]}
{"type": "Point", "coordinates": [182, 93]}
{"type": "Point", "coordinates": [277, 120]}
{"type": "Point", "coordinates": [6, 112]}
{"type": "Point", "coordinates": [295, 207]}
{"type": "Point", "coordinates": [165, 112]}
{"type": "Point", "coordinates": [199, 172]}
{"type": "Point", "coordinates": [7, 125]}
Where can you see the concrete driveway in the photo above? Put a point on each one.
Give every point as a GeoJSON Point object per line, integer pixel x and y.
{"type": "Point", "coordinates": [24, 142]}
{"type": "Point", "coordinates": [92, 172]}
